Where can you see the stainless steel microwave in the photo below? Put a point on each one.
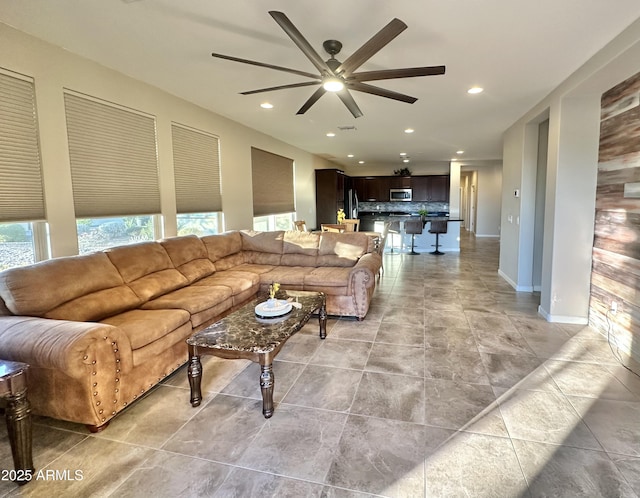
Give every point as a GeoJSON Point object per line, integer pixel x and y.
{"type": "Point", "coordinates": [400, 194]}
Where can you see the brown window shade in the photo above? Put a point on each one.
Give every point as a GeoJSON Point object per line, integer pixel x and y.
{"type": "Point", "coordinates": [196, 163]}
{"type": "Point", "coordinates": [272, 180]}
{"type": "Point", "coordinates": [114, 161]}
{"type": "Point", "coordinates": [21, 191]}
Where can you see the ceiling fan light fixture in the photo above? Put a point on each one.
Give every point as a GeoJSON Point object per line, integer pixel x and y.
{"type": "Point", "coordinates": [332, 84]}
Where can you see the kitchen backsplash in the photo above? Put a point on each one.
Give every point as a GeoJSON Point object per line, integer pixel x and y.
{"type": "Point", "coordinates": [404, 207]}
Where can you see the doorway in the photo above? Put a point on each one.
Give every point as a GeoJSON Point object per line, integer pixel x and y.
{"type": "Point", "coordinates": [541, 182]}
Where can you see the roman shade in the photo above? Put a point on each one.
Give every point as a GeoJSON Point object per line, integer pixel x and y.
{"type": "Point", "coordinates": [21, 190]}
{"type": "Point", "coordinates": [113, 154]}
{"type": "Point", "coordinates": [196, 166]}
{"type": "Point", "coordinates": [272, 180]}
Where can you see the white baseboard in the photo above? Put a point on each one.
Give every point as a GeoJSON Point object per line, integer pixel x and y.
{"type": "Point", "coordinates": [518, 288]}
{"type": "Point", "coordinates": [487, 235]}
{"type": "Point", "coordinates": [578, 320]}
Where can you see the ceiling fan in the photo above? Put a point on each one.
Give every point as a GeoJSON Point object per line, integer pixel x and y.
{"type": "Point", "coordinates": [340, 77]}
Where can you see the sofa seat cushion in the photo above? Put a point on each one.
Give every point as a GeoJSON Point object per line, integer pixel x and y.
{"type": "Point", "coordinates": [193, 299]}
{"type": "Point", "coordinates": [143, 327]}
{"type": "Point", "coordinates": [330, 280]}
{"type": "Point", "coordinates": [253, 268]}
{"type": "Point", "coordinates": [189, 255]}
{"type": "Point", "coordinates": [203, 302]}
{"type": "Point", "coordinates": [237, 281]}
{"type": "Point", "coordinates": [148, 355]}
{"type": "Point", "coordinates": [291, 276]}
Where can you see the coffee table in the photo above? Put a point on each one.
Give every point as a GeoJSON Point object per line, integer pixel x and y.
{"type": "Point", "coordinates": [242, 335]}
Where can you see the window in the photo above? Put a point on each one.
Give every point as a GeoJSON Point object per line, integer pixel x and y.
{"type": "Point", "coordinates": [273, 222]}
{"type": "Point", "coordinates": [113, 156]}
{"type": "Point", "coordinates": [23, 236]}
{"type": "Point", "coordinates": [196, 166]}
{"type": "Point", "coordinates": [200, 224]}
{"type": "Point", "coordinates": [96, 234]}
{"type": "Point", "coordinates": [273, 183]}
{"type": "Point", "coordinates": [21, 190]}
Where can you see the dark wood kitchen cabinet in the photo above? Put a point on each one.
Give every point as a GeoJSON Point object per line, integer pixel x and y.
{"type": "Point", "coordinates": [330, 195]}
{"type": "Point", "coordinates": [371, 188]}
{"type": "Point", "coordinates": [419, 188]}
{"type": "Point", "coordinates": [399, 181]}
{"type": "Point", "coordinates": [438, 188]}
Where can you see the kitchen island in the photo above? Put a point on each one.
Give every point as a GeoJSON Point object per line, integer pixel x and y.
{"type": "Point", "coordinates": [424, 242]}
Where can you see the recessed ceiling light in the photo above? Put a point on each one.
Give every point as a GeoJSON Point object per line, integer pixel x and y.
{"type": "Point", "coordinates": [349, 155]}
{"type": "Point", "coordinates": [331, 134]}
{"type": "Point", "coordinates": [475, 89]}
{"type": "Point", "coordinates": [360, 162]}
{"type": "Point", "coordinates": [409, 130]}
{"type": "Point", "coordinates": [405, 160]}
{"type": "Point", "coordinates": [403, 153]}
{"type": "Point", "coordinates": [460, 152]}
{"type": "Point", "coordinates": [266, 105]}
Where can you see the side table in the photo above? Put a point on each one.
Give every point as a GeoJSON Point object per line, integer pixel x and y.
{"type": "Point", "coordinates": [13, 388]}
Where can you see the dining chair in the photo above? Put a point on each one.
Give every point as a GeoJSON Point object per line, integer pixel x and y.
{"type": "Point", "coordinates": [300, 225]}
{"type": "Point", "coordinates": [352, 225]}
{"type": "Point", "coordinates": [332, 227]}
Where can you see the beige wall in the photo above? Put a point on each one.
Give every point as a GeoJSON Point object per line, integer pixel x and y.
{"type": "Point", "coordinates": [55, 69]}
{"type": "Point", "coordinates": [572, 152]}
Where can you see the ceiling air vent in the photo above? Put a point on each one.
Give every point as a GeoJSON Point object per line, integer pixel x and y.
{"type": "Point", "coordinates": [347, 128]}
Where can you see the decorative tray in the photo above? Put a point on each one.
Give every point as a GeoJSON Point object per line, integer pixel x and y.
{"type": "Point", "coordinates": [273, 308]}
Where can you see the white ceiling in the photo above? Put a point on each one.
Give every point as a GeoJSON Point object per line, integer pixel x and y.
{"type": "Point", "coordinates": [517, 50]}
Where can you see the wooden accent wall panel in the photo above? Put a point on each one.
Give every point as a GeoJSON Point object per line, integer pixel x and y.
{"type": "Point", "coordinates": [615, 274]}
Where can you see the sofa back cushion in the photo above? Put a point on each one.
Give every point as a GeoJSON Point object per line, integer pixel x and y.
{"type": "Point", "coordinates": [262, 248]}
{"type": "Point", "coordinates": [224, 250]}
{"type": "Point", "coordinates": [341, 249]}
{"type": "Point", "coordinates": [300, 248]}
{"type": "Point", "coordinates": [189, 255]}
{"type": "Point", "coordinates": [82, 288]}
{"type": "Point", "coordinates": [147, 269]}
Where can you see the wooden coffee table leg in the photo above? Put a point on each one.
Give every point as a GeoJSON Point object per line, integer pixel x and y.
{"type": "Point", "coordinates": [18, 415]}
{"type": "Point", "coordinates": [194, 374]}
{"type": "Point", "coordinates": [267, 381]}
{"type": "Point", "coordinates": [322, 318]}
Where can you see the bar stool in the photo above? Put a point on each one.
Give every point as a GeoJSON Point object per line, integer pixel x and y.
{"type": "Point", "coordinates": [394, 229]}
{"type": "Point", "coordinates": [413, 227]}
{"type": "Point", "coordinates": [438, 227]}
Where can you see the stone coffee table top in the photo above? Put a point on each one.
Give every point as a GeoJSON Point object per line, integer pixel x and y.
{"type": "Point", "coordinates": [243, 331]}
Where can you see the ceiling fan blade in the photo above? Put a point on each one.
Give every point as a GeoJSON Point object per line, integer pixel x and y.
{"type": "Point", "coordinates": [388, 74]}
{"type": "Point", "coordinates": [301, 42]}
{"type": "Point", "coordinates": [381, 92]}
{"type": "Point", "coordinates": [312, 100]}
{"type": "Point", "coordinates": [347, 99]}
{"type": "Point", "coordinates": [262, 64]}
{"type": "Point", "coordinates": [281, 87]}
{"type": "Point", "coordinates": [371, 47]}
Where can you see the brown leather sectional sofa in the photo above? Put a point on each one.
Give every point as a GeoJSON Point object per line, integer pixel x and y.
{"type": "Point", "coordinates": [100, 330]}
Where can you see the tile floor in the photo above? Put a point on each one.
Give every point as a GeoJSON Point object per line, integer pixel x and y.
{"type": "Point", "coordinates": [452, 386]}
